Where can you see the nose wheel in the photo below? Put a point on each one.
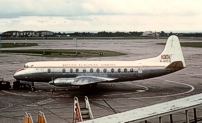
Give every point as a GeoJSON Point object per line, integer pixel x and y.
{"type": "Point", "coordinates": [33, 89]}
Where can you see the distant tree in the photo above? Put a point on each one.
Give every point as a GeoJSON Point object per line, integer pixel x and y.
{"type": "Point", "coordinates": [162, 34]}
{"type": "Point", "coordinates": [170, 33]}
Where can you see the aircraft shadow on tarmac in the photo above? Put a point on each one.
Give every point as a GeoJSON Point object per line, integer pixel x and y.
{"type": "Point", "coordinates": [106, 89]}
{"type": "Point", "coordinates": [100, 90]}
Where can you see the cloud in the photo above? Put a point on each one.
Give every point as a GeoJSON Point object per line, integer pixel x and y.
{"type": "Point", "coordinates": [18, 8]}
{"type": "Point", "coordinates": [117, 15]}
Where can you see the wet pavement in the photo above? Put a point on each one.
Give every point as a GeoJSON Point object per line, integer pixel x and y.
{"type": "Point", "coordinates": [108, 98]}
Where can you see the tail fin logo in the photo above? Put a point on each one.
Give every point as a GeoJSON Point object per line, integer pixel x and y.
{"type": "Point", "coordinates": [165, 58]}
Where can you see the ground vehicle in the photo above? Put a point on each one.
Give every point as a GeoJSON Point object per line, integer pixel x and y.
{"type": "Point", "coordinates": [4, 85]}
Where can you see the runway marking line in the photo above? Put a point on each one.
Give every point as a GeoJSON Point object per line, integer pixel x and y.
{"type": "Point", "coordinates": [28, 95]}
{"type": "Point", "coordinates": [138, 91]}
{"type": "Point", "coordinates": [170, 95]}
{"type": "Point", "coordinates": [9, 105]}
{"type": "Point", "coordinates": [146, 88]}
{"type": "Point", "coordinates": [42, 102]}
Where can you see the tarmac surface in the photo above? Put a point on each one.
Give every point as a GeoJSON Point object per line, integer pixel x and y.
{"type": "Point", "coordinates": [107, 98]}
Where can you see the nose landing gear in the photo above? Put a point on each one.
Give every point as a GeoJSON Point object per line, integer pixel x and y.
{"type": "Point", "coordinates": [33, 89]}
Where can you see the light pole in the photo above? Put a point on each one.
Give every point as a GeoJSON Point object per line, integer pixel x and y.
{"type": "Point", "coordinates": [76, 45]}
{"type": "Point", "coordinates": [43, 43]}
{"type": "Point", "coordinates": [43, 47]}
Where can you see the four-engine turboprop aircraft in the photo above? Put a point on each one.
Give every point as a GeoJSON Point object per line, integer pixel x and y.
{"type": "Point", "coordinates": [79, 73]}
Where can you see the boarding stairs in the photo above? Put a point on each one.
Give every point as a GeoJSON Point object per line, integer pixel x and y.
{"type": "Point", "coordinates": [84, 113]}
{"type": "Point", "coordinates": [41, 118]}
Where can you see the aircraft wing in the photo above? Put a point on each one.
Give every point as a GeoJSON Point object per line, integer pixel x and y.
{"type": "Point", "coordinates": [84, 80]}
{"type": "Point", "coordinates": [80, 80]}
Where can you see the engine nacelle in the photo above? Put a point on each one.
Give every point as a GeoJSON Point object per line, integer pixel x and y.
{"type": "Point", "coordinates": [62, 82]}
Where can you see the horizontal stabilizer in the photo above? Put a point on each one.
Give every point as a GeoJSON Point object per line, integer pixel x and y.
{"type": "Point", "coordinates": [176, 64]}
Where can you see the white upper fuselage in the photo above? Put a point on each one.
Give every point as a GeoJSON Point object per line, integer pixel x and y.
{"type": "Point", "coordinates": [94, 64]}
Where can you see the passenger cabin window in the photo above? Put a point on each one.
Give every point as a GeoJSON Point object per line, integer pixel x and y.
{"type": "Point", "coordinates": [104, 70]}
{"type": "Point", "coordinates": [91, 70]}
{"type": "Point", "coordinates": [98, 70]}
{"type": "Point", "coordinates": [131, 70]}
{"type": "Point", "coordinates": [71, 70]}
{"type": "Point", "coordinates": [77, 70]}
{"type": "Point", "coordinates": [63, 70]}
{"type": "Point", "coordinates": [84, 70]}
{"type": "Point", "coordinates": [112, 70]}
{"type": "Point", "coordinates": [125, 70]}
{"type": "Point", "coordinates": [119, 70]}
{"type": "Point", "coordinates": [49, 70]}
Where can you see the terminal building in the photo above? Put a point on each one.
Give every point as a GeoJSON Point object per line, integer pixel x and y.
{"type": "Point", "coordinates": [150, 34]}
{"type": "Point", "coordinates": [16, 34]}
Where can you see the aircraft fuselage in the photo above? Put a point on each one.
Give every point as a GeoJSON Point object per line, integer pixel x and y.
{"type": "Point", "coordinates": [122, 73]}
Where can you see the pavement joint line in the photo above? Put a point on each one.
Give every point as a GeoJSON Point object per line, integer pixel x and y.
{"type": "Point", "coordinates": [109, 105]}
{"type": "Point", "coordinates": [9, 105]}
{"type": "Point", "coordinates": [28, 95]}
{"type": "Point", "coordinates": [42, 102]}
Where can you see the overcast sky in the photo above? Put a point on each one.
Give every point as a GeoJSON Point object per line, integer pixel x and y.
{"type": "Point", "coordinates": [101, 15]}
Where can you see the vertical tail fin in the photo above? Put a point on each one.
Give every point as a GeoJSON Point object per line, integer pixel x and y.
{"type": "Point", "coordinates": [172, 52]}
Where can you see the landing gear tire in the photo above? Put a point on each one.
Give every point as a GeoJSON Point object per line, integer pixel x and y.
{"type": "Point", "coordinates": [33, 89]}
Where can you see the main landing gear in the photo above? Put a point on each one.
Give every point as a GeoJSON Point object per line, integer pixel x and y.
{"type": "Point", "coordinates": [17, 85]}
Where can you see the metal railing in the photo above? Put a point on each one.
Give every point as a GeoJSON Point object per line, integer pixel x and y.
{"type": "Point", "coordinates": [148, 114]}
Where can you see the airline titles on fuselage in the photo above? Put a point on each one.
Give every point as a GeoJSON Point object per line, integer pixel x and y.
{"type": "Point", "coordinates": [89, 65]}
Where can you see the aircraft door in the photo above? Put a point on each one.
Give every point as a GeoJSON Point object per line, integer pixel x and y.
{"type": "Point", "coordinates": [140, 72]}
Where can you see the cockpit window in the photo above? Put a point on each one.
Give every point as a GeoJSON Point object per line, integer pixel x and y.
{"type": "Point", "coordinates": [28, 66]}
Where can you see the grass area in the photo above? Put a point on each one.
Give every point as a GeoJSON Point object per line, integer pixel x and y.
{"type": "Point", "coordinates": [78, 38]}
{"type": "Point", "coordinates": [65, 53]}
{"type": "Point", "coordinates": [93, 38]}
{"type": "Point", "coordinates": [12, 45]}
{"type": "Point", "coordinates": [188, 44]}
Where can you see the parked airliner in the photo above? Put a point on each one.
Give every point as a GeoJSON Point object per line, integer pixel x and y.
{"type": "Point", "coordinates": [79, 73]}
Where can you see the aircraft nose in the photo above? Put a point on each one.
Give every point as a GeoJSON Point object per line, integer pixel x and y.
{"type": "Point", "coordinates": [18, 74]}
